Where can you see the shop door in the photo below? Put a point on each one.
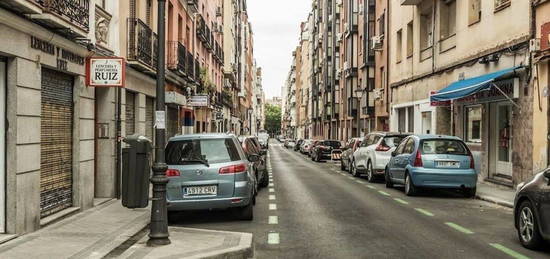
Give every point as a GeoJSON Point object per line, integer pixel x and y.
{"type": "Point", "coordinates": [149, 120]}
{"type": "Point", "coordinates": [503, 139]}
{"type": "Point", "coordinates": [130, 113]}
{"type": "Point", "coordinates": [2, 145]}
{"type": "Point", "coordinates": [56, 134]}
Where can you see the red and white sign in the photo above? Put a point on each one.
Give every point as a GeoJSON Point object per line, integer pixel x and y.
{"type": "Point", "coordinates": [545, 37]}
{"type": "Point", "coordinates": [439, 103]}
{"type": "Point", "coordinates": [105, 71]}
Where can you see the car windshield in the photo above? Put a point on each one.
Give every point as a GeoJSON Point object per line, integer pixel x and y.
{"type": "Point", "coordinates": [332, 143]}
{"type": "Point", "coordinates": [443, 146]}
{"type": "Point", "coordinates": [263, 136]}
{"type": "Point", "coordinates": [393, 141]}
{"type": "Point", "coordinates": [201, 150]}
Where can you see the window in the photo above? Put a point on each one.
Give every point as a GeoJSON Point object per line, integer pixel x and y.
{"type": "Point", "coordinates": [401, 117]}
{"type": "Point", "coordinates": [473, 124]}
{"type": "Point", "coordinates": [501, 4]}
{"type": "Point", "coordinates": [399, 46]}
{"type": "Point", "coordinates": [474, 11]}
{"type": "Point", "coordinates": [382, 24]}
{"type": "Point", "coordinates": [443, 146]}
{"type": "Point", "coordinates": [196, 151]}
{"type": "Point", "coordinates": [401, 148]}
{"type": "Point", "coordinates": [426, 19]}
{"type": "Point", "coordinates": [447, 18]}
{"type": "Point", "coordinates": [410, 121]}
{"type": "Point", "coordinates": [409, 147]}
{"type": "Point", "coordinates": [410, 35]}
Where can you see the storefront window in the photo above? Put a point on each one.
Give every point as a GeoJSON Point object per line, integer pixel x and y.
{"type": "Point", "coordinates": [473, 124]}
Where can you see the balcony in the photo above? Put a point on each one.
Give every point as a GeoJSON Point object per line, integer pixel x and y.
{"type": "Point", "coordinates": [140, 45]}
{"type": "Point", "coordinates": [201, 29]}
{"type": "Point", "coordinates": [411, 2]}
{"type": "Point", "coordinates": [65, 16]}
{"type": "Point", "coordinates": [189, 65]}
{"type": "Point", "coordinates": [197, 71]}
{"type": "Point", "coordinates": [193, 5]}
{"type": "Point", "coordinates": [176, 57]}
{"type": "Point", "coordinates": [227, 98]}
{"type": "Point", "coordinates": [22, 6]}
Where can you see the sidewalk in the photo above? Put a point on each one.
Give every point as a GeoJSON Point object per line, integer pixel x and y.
{"type": "Point", "coordinates": [500, 195]}
{"type": "Point", "coordinates": [96, 232]}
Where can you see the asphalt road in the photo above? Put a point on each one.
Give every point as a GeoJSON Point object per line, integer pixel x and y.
{"type": "Point", "coordinates": [314, 210]}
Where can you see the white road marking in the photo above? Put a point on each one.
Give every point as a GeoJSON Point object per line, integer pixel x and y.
{"type": "Point", "coordinates": [272, 206]}
{"type": "Point", "coordinates": [357, 181]}
{"type": "Point", "coordinates": [271, 185]}
{"type": "Point", "coordinates": [272, 197]}
{"type": "Point", "coordinates": [271, 189]}
{"type": "Point", "coordinates": [273, 238]}
{"type": "Point", "coordinates": [273, 220]}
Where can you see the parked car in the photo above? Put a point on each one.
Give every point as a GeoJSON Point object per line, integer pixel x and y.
{"type": "Point", "coordinates": [312, 145]}
{"type": "Point", "coordinates": [290, 143]}
{"type": "Point", "coordinates": [347, 154]}
{"type": "Point", "coordinates": [263, 138]}
{"type": "Point", "coordinates": [532, 210]}
{"type": "Point", "coordinates": [298, 144]}
{"type": "Point", "coordinates": [304, 148]}
{"type": "Point", "coordinates": [251, 146]}
{"type": "Point", "coordinates": [210, 171]}
{"type": "Point", "coordinates": [430, 161]}
{"type": "Point", "coordinates": [324, 149]}
{"type": "Point", "coordinates": [374, 154]}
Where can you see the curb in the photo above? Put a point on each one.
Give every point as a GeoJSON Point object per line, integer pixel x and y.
{"type": "Point", "coordinates": [245, 250]}
{"type": "Point", "coordinates": [495, 201]}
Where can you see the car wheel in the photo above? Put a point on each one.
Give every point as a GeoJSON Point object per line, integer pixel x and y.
{"type": "Point", "coordinates": [265, 180]}
{"type": "Point", "coordinates": [528, 228]}
{"type": "Point", "coordinates": [470, 192]}
{"type": "Point", "coordinates": [370, 172]}
{"type": "Point", "coordinates": [172, 216]}
{"type": "Point", "coordinates": [246, 212]}
{"type": "Point", "coordinates": [410, 189]}
{"type": "Point", "coordinates": [342, 166]}
{"type": "Point", "coordinates": [389, 183]}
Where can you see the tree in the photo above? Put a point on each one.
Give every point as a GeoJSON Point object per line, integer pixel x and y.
{"type": "Point", "coordinates": [272, 119]}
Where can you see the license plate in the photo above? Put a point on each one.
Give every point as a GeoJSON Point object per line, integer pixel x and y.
{"type": "Point", "coordinates": [451, 164]}
{"type": "Point", "coordinates": [200, 190]}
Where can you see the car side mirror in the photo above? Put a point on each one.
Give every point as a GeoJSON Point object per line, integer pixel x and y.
{"type": "Point", "coordinates": [393, 154]}
{"type": "Point", "coordinates": [253, 158]}
{"type": "Point", "coordinates": [547, 175]}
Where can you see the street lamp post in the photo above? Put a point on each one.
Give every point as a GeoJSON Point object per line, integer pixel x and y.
{"type": "Point", "coordinates": [158, 228]}
{"type": "Point", "coordinates": [359, 95]}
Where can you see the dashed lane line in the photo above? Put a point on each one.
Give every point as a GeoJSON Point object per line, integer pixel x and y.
{"type": "Point", "coordinates": [273, 238]}
{"type": "Point", "coordinates": [371, 187]}
{"type": "Point", "coordinates": [271, 185]}
{"type": "Point", "coordinates": [508, 251]}
{"type": "Point", "coordinates": [384, 193]}
{"type": "Point", "coordinates": [425, 212]}
{"type": "Point", "coordinates": [358, 181]}
{"type": "Point", "coordinates": [272, 206]}
{"type": "Point", "coordinates": [459, 228]}
{"type": "Point", "coordinates": [401, 201]}
{"type": "Point", "coordinates": [272, 197]}
{"type": "Point", "coordinates": [273, 220]}
{"type": "Point", "coordinates": [271, 189]}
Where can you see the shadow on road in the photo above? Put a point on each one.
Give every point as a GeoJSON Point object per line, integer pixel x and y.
{"type": "Point", "coordinates": [202, 216]}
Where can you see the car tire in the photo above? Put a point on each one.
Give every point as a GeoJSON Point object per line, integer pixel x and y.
{"type": "Point", "coordinates": [172, 216]}
{"type": "Point", "coordinates": [470, 192]}
{"type": "Point", "coordinates": [529, 236]}
{"type": "Point", "coordinates": [342, 167]}
{"type": "Point", "coordinates": [246, 212]}
{"type": "Point", "coordinates": [389, 183]}
{"type": "Point", "coordinates": [410, 189]}
{"type": "Point", "coordinates": [265, 181]}
{"type": "Point", "coordinates": [370, 172]}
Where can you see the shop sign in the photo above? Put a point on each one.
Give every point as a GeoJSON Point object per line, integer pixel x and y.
{"type": "Point", "coordinates": [439, 103]}
{"type": "Point", "coordinates": [63, 56]}
{"type": "Point", "coordinates": [509, 86]}
{"type": "Point", "coordinates": [199, 101]}
{"type": "Point", "coordinates": [175, 98]}
{"type": "Point", "coordinates": [105, 71]}
{"type": "Point", "coordinates": [545, 36]}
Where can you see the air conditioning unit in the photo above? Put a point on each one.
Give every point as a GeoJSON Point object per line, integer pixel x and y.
{"type": "Point", "coordinates": [346, 65]}
{"type": "Point", "coordinates": [534, 45]}
{"type": "Point", "coordinates": [346, 27]}
{"type": "Point", "coordinates": [339, 37]}
{"type": "Point", "coordinates": [338, 74]}
{"type": "Point", "coordinates": [376, 43]}
{"type": "Point", "coordinates": [339, 2]}
{"type": "Point", "coordinates": [361, 9]}
{"type": "Point", "coordinates": [378, 93]}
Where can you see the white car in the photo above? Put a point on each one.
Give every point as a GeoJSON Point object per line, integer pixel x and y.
{"type": "Point", "coordinates": [374, 154]}
{"type": "Point", "coordinates": [306, 145]}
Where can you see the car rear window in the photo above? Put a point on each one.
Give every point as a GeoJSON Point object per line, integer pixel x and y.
{"type": "Point", "coordinates": [209, 150]}
{"type": "Point", "coordinates": [393, 141]}
{"type": "Point", "coordinates": [332, 143]}
{"type": "Point", "coordinates": [443, 146]}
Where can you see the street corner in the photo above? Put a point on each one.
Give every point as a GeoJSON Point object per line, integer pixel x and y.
{"type": "Point", "coordinates": [196, 243]}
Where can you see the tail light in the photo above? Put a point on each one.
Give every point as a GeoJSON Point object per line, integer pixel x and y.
{"type": "Point", "coordinates": [472, 162]}
{"type": "Point", "coordinates": [172, 173]}
{"type": "Point", "coordinates": [233, 169]}
{"type": "Point", "coordinates": [418, 159]}
{"type": "Point", "coordinates": [382, 148]}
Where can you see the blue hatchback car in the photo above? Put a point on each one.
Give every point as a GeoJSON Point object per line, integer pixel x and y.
{"type": "Point", "coordinates": [432, 161]}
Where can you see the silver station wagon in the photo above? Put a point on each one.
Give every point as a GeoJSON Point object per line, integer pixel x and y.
{"type": "Point", "coordinates": [210, 171]}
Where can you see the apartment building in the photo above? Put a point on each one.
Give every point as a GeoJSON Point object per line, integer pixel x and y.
{"type": "Point", "coordinates": [379, 44]}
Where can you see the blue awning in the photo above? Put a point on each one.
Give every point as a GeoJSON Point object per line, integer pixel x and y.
{"type": "Point", "coordinates": [467, 87]}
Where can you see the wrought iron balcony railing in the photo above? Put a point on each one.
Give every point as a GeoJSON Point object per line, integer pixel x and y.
{"type": "Point", "coordinates": [197, 71]}
{"type": "Point", "coordinates": [76, 12]}
{"type": "Point", "coordinates": [190, 65]}
{"type": "Point", "coordinates": [140, 42]}
{"type": "Point", "coordinates": [177, 55]}
{"type": "Point", "coordinates": [155, 50]}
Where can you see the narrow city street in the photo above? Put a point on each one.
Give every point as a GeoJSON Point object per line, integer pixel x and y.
{"type": "Point", "coordinates": [314, 210]}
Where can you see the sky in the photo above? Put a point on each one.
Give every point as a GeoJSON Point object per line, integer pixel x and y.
{"type": "Point", "coordinates": [276, 28]}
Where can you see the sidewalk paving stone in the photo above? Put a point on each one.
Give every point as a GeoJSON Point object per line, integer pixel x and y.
{"type": "Point", "coordinates": [500, 195]}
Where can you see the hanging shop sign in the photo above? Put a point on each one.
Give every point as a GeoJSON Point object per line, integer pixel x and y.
{"type": "Point", "coordinates": [198, 101]}
{"type": "Point", "coordinates": [63, 56]}
{"type": "Point", "coordinates": [105, 71]}
{"type": "Point", "coordinates": [439, 103]}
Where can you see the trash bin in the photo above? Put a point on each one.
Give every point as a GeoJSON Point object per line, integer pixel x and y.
{"type": "Point", "coordinates": [136, 172]}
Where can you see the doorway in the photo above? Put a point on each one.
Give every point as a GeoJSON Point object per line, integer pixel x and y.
{"type": "Point", "coordinates": [501, 143]}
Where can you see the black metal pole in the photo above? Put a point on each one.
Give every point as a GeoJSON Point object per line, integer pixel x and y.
{"type": "Point", "coordinates": [158, 227]}
{"type": "Point", "coordinates": [118, 140]}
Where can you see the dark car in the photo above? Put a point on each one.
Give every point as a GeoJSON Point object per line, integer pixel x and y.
{"type": "Point", "coordinates": [312, 145]}
{"type": "Point", "coordinates": [251, 146]}
{"type": "Point", "coordinates": [324, 149]}
{"type": "Point", "coordinates": [532, 210]}
{"type": "Point", "coordinates": [298, 144]}
{"type": "Point", "coordinates": [347, 154]}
